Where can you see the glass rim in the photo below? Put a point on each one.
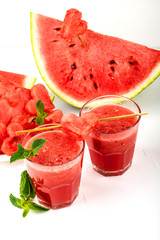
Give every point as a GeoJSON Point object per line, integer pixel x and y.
{"type": "Point", "coordinates": [51, 166]}
{"type": "Point", "coordinates": [115, 96]}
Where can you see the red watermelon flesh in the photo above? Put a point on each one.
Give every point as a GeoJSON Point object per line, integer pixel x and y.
{"type": "Point", "coordinates": [3, 131]}
{"type": "Point", "coordinates": [3, 134]}
{"type": "Point", "coordinates": [9, 145]}
{"type": "Point", "coordinates": [6, 91]}
{"type": "Point", "coordinates": [72, 24]}
{"type": "Point", "coordinates": [18, 80]}
{"type": "Point", "coordinates": [16, 97]}
{"type": "Point", "coordinates": [54, 116]}
{"type": "Point", "coordinates": [26, 121]}
{"type": "Point", "coordinates": [13, 127]}
{"type": "Point", "coordinates": [78, 127]}
{"type": "Point", "coordinates": [39, 92]}
{"type": "Point", "coordinates": [106, 65]}
{"type": "Point", "coordinates": [19, 99]}
{"type": "Point", "coordinates": [5, 112]}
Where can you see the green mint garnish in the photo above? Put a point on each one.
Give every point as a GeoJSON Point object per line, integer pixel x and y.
{"type": "Point", "coordinates": [23, 153]}
{"type": "Point", "coordinates": [40, 113]}
{"type": "Point", "coordinates": [15, 201]}
{"type": "Point", "coordinates": [27, 192]}
{"type": "Point", "coordinates": [26, 186]}
{"type": "Point", "coordinates": [36, 207]}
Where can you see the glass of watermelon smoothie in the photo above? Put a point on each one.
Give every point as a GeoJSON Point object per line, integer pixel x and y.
{"type": "Point", "coordinates": [56, 169]}
{"type": "Point", "coordinates": [112, 142]}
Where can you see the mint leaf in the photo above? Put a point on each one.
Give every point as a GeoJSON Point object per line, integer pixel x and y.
{"type": "Point", "coordinates": [36, 207]}
{"type": "Point", "coordinates": [36, 145]}
{"type": "Point", "coordinates": [23, 153]}
{"type": "Point", "coordinates": [32, 190]}
{"type": "Point", "coordinates": [24, 185]}
{"type": "Point", "coordinates": [40, 107]}
{"type": "Point", "coordinates": [40, 113]}
{"type": "Point", "coordinates": [27, 190]}
{"type": "Point", "coordinates": [39, 120]}
{"type": "Point", "coordinates": [15, 201]}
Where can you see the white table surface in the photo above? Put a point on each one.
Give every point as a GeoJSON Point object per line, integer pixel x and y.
{"type": "Point", "coordinates": [124, 207]}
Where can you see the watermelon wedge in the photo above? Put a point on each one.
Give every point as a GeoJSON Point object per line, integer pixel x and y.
{"type": "Point", "coordinates": [18, 80]}
{"type": "Point", "coordinates": [80, 67]}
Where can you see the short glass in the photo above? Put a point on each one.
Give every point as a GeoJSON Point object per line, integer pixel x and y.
{"type": "Point", "coordinates": [56, 186]}
{"type": "Point", "coordinates": [111, 153]}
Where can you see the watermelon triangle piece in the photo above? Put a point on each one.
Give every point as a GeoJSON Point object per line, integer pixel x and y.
{"type": "Point", "coordinates": [18, 80]}
{"type": "Point", "coordinates": [106, 65]}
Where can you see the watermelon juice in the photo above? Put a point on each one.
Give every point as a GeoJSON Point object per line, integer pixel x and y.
{"type": "Point", "coordinates": [56, 169]}
{"type": "Point", "coordinates": [111, 143]}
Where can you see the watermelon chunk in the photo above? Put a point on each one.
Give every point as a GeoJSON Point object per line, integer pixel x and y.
{"type": "Point", "coordinates": [78, 127]}
{"type": "Point", "coordinates": [5, 112]}
{"type": "Point", "coordinates": [24, 120]}
{"type": "Point", "coordinates": [73, 25]}
{"type": "Point", "coordinates": [54, 116]}
{"type": "Point", "coordinates": [3, 131]}
{"type": "Point", "coordinates": [3, 134]}
{"type": "Point", "coordinates": [12, 128]}
{"type": "Point", "coordinates": [9, 145]}
{"type": "Point", "coordinates": [106, 65]}
{"type": "Point", "coordinates": [39, 92]}
{"type": "Point", "coordinates": [20, 98]}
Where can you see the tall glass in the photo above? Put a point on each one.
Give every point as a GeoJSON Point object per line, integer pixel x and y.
{"type": "Point", "coordinates": [56, 186]}
{"type": "Point", "coordinates": [112, 152]}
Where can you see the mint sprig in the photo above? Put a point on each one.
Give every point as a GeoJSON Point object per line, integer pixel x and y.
{"type": "Point", "coordinates": [23, 153]}
{"type": "Point", "coordinates": [40, 113]}
{"type": "Point", "coordinates": [27, 194]}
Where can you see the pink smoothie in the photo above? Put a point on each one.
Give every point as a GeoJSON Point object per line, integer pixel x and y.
{"type": "Point", "coordinates": [112, 142]}
{"type": "Point", "coordinates": [60, 148]}
{"type": "Point", "coordinates": [56, 170]}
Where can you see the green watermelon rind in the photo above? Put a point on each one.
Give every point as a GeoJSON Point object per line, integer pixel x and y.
{"type": "Point", "coordinates": [41, 67]}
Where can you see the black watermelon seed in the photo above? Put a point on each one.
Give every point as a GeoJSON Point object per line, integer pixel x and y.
{"type": "Point", "coordinates": [95, 85]}
{"type": "Point", "coordinates": [133, 62]}
{"type": "Point", "coordinates": [112, 61]}
{"type": "Point", "coordinates": [113, 69]}
{"type": "Point", "coordinates": [71, 78]}
{"type": "Point", "coordinates": [58, 29]}
{"type": "Point", "coordinates": [72, 45]}
{"type": "Point", "coordinates": [15, 139]}
{"type": "Point", "coordinates": [91, 75]}
{"type": "Point", "coordinates": [73, 66]}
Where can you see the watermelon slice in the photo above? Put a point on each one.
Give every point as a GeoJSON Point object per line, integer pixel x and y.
{"type": "Point", "coordinates": [77, 72]}
{"type": "Point", "coordinates": [18, 80]}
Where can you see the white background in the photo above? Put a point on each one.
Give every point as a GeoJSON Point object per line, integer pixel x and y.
{"type": "Point", "coordinates": [123, 207]}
